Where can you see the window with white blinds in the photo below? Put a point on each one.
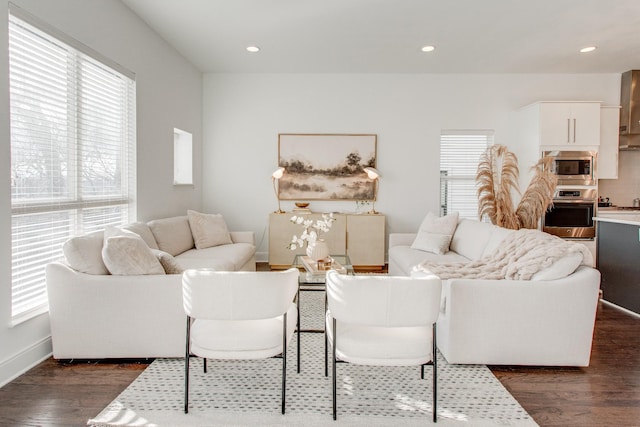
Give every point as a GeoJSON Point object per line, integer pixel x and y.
{"type": "Point", "coordinates": [73, 142]}
{"type": "Point", "coordinates": [460, 151]}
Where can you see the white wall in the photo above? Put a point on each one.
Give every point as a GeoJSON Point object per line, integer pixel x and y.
{"type": "Point", "coordinates": [243, 115]}
{"type": "Point", "coordinates": [169, 94]}
{"type": "Point", "coordinates": [623, 190]}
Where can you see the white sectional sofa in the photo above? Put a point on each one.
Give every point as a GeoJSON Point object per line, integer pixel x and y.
{"type": "Point", "coordinates": [96, 315]}
{"type": "Point", "coordinates": [547, 320]}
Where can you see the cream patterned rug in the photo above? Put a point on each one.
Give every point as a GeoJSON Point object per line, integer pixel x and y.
{"type": "Point", "coordinates": [247, 393]}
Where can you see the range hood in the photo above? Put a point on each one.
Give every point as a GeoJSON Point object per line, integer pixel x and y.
{"type": "Point", "coordinates": [630, 110]}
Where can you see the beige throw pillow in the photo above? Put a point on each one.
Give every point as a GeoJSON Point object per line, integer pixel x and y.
{"type": "Point", "coordinates": [167, 261]}
{"type": "Point", "coordinates": [435, 233]}
{"type": "Point", "coordinates": [173, 235]}
{"type": "Point", "coordinates": [208, 229]}
{"type": "Point", "coordinates": [125, 253]}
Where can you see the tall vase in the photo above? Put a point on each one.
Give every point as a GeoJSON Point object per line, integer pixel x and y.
{"type": "Point", "coordinates": [318, 250]}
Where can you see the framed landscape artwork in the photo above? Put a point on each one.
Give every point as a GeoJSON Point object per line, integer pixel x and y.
{"type": "Point", "coordinates": [326, 166]}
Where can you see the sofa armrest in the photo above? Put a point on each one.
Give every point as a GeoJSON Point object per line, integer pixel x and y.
{"type": "Point", "coordinates": [401, 239]}
{"type": "Point", "coordinates": [547, 322]}
{"type": "Point", "coordinates": [243, 237]}
{"type": "Point", "coordinates": [106, 316]}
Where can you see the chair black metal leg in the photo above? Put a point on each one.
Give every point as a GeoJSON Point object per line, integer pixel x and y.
{"type": "Point", "coordinates": [324, 321]}
{"type": "Point", "coordinates": [298, 325]}
{"type": "Point", "coordinates": [334, 369]}
{"type": "Point", "coordinates": [205, 365]}
{"type": "Point", "coordinates": [284, 361]}
{"type": "Point", "coordinates": [186, 367]}
{"type": "Point", "coordinates": [422, 372]}
{"type": "Point", "coordinates": [435, 376]}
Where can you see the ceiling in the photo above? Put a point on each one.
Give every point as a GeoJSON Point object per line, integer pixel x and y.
{"type": "Point", "coordinates": [385, 36]}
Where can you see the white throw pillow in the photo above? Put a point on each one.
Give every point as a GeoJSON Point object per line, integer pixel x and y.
{"type": "Point", "coordinates": [84, 253]}
{"type": "Point", "coordinates": [561, 268]}
{"type": "Point", "coordinates": [125, 253]}
{"type": "Point", "coordinates": [435, 233]}
{"type": "Point", "coordinates": [208, 229]}
{"type": "Point", "coordinates": [142, 230]}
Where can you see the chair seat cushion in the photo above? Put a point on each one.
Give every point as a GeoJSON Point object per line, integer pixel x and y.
{"type": "Point", "coordinates": [246, 339]}
{"type": "Point", "coordinates": [366, 345]}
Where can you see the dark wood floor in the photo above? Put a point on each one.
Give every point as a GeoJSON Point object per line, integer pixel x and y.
{"type": "Point", "coordinates": [607, 393]}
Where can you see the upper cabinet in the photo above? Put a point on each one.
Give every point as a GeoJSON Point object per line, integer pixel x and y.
{"type": "Point", "coordinates": [569, 123]}
{"type": "Point", "coordinates": [607, 164]}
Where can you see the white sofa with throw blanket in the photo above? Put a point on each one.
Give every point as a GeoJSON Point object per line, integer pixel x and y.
{"type": "Point", "coordinates": [508, 297]}
{"type": "Point", "coordinates": [118, 293]}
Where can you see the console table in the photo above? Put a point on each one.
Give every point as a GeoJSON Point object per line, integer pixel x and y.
{"type": "Point", "coordinates": [360, 236]}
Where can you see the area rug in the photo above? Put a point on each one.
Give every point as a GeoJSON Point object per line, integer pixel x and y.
{"type": "Point", "coordinates": [247, 393]}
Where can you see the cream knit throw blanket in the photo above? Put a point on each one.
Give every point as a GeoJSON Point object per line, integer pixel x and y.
{"type": "Point", "coordinates": [518, 257]}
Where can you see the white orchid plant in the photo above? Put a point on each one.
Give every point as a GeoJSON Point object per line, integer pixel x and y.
{"type": "Point", "coordinates": [311, 230]}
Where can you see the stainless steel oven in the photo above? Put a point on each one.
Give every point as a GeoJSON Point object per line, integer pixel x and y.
{"type": "Point", "coordinates": [574, 167]}
{"type": "Point", "coordinates": [572, 214]}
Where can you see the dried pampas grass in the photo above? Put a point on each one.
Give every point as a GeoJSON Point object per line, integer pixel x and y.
{"type": "Point", "coordinates": [497, 178]}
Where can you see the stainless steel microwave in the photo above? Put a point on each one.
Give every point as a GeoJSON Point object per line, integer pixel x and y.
{"type": "Point", "coordinates": [574, 167]}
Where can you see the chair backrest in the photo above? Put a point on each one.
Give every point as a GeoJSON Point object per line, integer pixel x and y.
{"type": "Point", "coordinates": [238, 295]}
{"type": "Point", "coordinates": [388, 301]}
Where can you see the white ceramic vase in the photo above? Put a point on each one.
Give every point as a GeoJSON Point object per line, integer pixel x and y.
{"type": "Point", "coordinates": [318, 250]}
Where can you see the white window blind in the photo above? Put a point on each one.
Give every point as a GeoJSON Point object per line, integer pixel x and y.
{"type": "Point", "coordinates": [72, 152]}
{"type": "Point", "coordinates": [460, 151]}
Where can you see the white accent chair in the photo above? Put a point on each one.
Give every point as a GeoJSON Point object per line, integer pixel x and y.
{"type": "Point", "coordinates": [239, 315]}
{"type": "Point", "coordinates": [383, 320]}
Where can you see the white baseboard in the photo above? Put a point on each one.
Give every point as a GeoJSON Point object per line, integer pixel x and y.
{"type": "Point", "coordinates": [632, 313]}
{"type": "Point", "coordinates": [16, 365]}
{"type": "Point", "coordinates": [262, 256]}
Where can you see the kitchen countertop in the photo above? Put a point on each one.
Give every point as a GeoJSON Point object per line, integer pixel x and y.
{"type": "Point", "coordinates": [620, 217]}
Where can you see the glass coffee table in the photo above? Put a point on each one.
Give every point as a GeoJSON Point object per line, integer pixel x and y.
{"type": "Point", "coordinates": [315, 281]}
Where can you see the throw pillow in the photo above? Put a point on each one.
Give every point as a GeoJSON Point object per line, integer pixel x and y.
{"type": "Point", "coordinates": [208, 229]}
{"type": "Point", "coordinates": [125, 253]}
{"type": "Point", "coordinates": [561, 268]}
{"type": "Point", "coordinates": [168, 262]}
{"type": "Point", "coordinates": [84, 253]}
{"type": "Point", "coordinates": [173, 235]}
{"type": "Point", "coordinates": [435, 233]}
{"type": "Point", "coordinates": [142, 230]}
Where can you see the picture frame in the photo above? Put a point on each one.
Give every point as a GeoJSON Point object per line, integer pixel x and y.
{"type": "Point", "coordinates": [326, 166]}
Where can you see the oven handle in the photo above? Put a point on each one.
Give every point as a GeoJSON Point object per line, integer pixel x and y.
{"type": "Point", "coordinates": [585, 201]}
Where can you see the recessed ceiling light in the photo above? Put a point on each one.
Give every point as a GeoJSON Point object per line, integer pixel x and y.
{"type": "Point", "coordinates": [588, 49]}
{"type": "Point", "coordinates": [428, 48]}
{"type": "Point", "coordinates": [253, 49]}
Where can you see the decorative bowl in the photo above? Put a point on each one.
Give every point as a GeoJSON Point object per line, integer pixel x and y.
{"type": "Point", "coordinates": [302, 205]}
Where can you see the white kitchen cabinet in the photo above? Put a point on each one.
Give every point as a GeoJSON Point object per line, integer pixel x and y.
{"type": "Point", "coordinates": [361, 237]}
{"type": "Point", "coordinates": [567, 124]}
{"type": "Point", "coordinates": [607, 163]}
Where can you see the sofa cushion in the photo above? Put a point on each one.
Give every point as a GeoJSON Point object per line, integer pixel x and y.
{"type": "Point", "coordinates": [471, 238]}
{"type": "Point", "coordinates": [434, 234]}
{"type": "Point", "coordinates": [125, 253]}
{"type": "Point", "coordinates": [173, 235]}
{"type": "Point", "coordinates": [142, 230]}
{"type": "Point", "coordinates": [208, 229]}
{"type": "Point", "coordinates": [84, 253]}
{"type": "Point", "coordinates": [238, 254]}
{"type": "Point", "coordinates": [407, 258]}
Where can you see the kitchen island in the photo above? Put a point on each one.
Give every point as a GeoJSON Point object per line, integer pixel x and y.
{"type": "Point", "coordinates": [618, 258]}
